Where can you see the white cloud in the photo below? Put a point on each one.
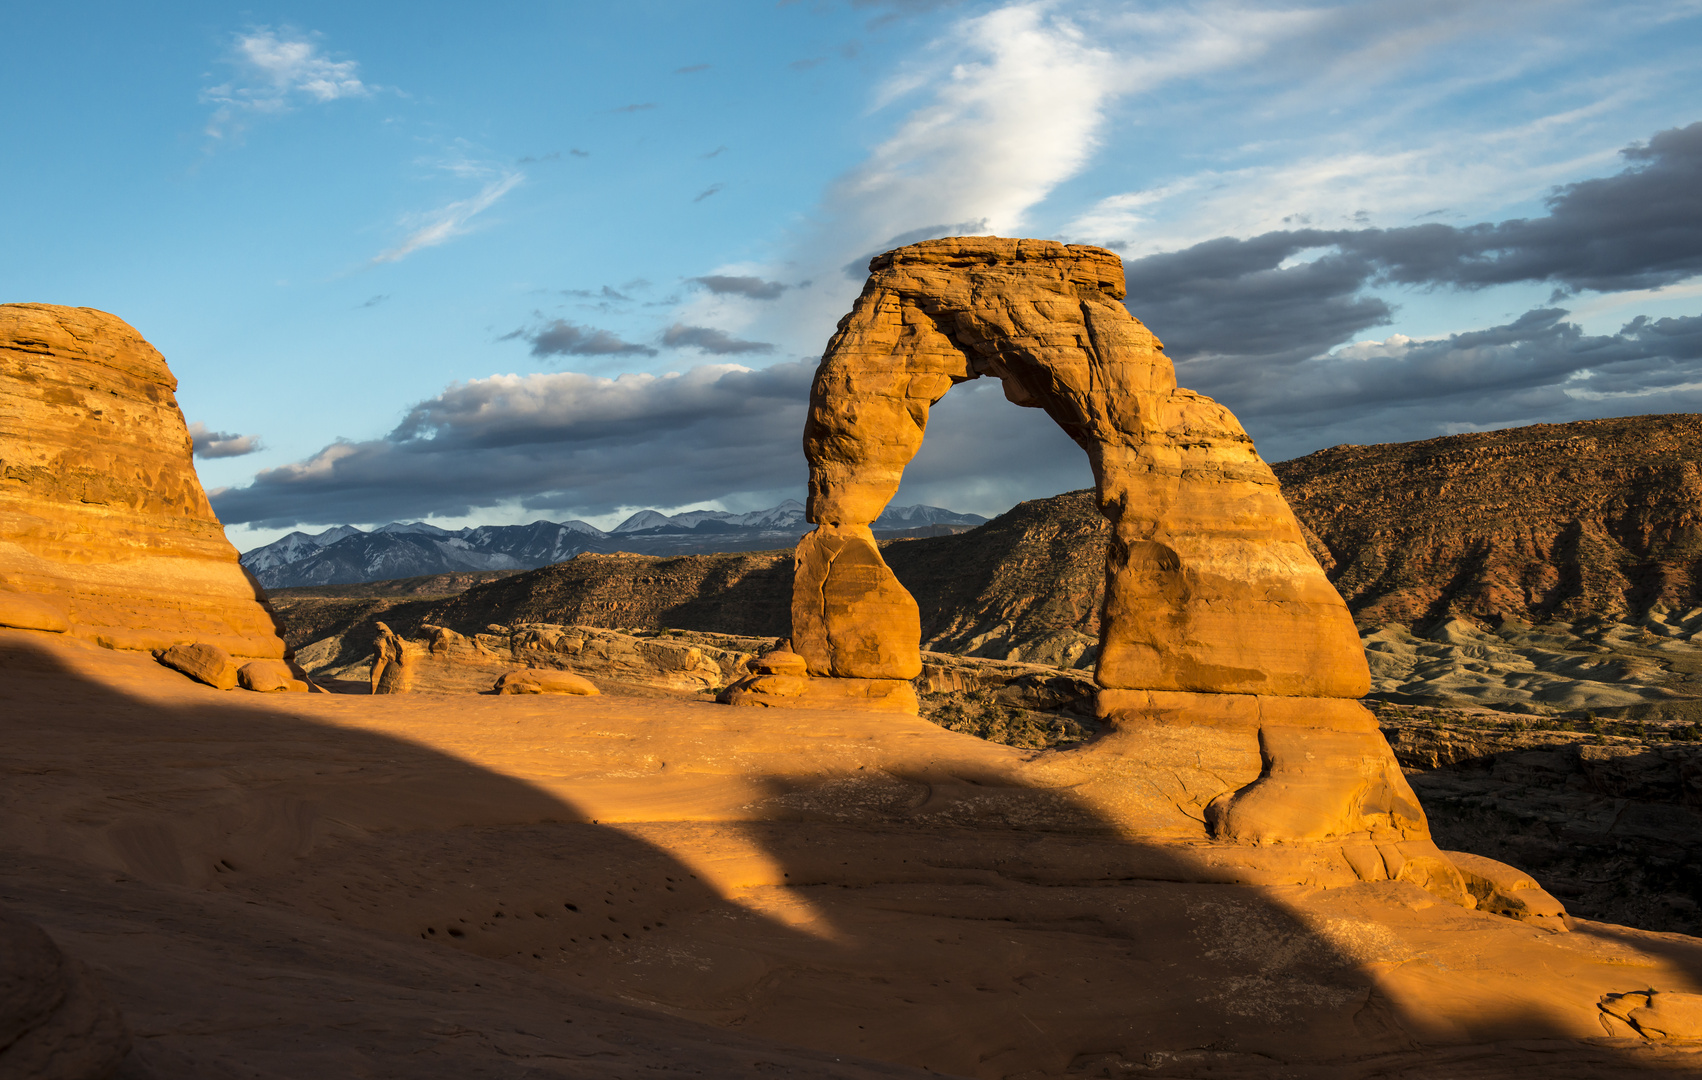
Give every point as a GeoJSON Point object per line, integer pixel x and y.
{"type": "Point", "coordinates": [274, 72]}
{"type": "Point", "coordinates": [1359, 189]}
{"type": "Point", "coordinates": [1016, 113]}
{"type": "Point", "coordinates": [449, 221]}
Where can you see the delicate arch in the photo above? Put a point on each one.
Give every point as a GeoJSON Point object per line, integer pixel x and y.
{"type": "Point", "coordinates": [1209, 585]}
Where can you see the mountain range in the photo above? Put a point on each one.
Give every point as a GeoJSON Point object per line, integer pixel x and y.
{"type": "Point", "coordinates": [348, 555]}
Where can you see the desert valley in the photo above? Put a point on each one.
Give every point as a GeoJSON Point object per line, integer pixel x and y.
{"type": "Point", "coordinates": [1384, 761]}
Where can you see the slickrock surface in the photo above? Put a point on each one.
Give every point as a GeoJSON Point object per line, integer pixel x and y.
{"type": "Point", "coordinates": [1597, 517]}
{"type": "Point", "coordinates": [464, 886]}
{"type": "Point", "coordinates": [56, 1021]}
{"type": "Point", "coordinates": [444, 661]}
{"type": "Point", "coordinates": [101, 515]}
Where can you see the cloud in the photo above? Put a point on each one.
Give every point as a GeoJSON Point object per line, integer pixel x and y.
{"type": "Point", "coordinates": [374, 301]}
{"type": "Point", "coordinates": [449, 221]}
{"type": "Point", "coordinates": [277, 70]}
{"type": "Point", "coordinates": [567, 443]}
{"type": "Point", "coordinates": [1539, 367]}
{"type": "Point", "coordinates": [708, 191]}
{"type": "Point", "coordinates": [1016, 111]}
{"type": "Point", "coordinates": [710, 340]}
{"type": "Point", "coordinates": [219, 444]}
{"type": "Point", "coordinates": [606, 293]}
{"type": "Point", "coordinates": [753, 288]}
{"type": "Point", "coordinates": [563, 338]}
{"type": "Point", "coordinates": [640, 107]}
{"type": "Point", "coordinates": [1640, 228]}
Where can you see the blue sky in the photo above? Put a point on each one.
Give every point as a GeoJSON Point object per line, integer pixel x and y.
{"type": "Point", "coordinates": [565, 260]}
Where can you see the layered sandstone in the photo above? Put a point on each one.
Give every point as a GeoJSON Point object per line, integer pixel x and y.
{"type": "Point", "coordinates": [103, 524]}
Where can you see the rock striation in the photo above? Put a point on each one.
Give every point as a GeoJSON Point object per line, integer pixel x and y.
{"type": "Point", "coordinates": [105, 532]}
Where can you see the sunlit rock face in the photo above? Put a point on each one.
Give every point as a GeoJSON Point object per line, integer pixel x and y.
{"type": "Point", "coordinates": [1215, 613]}
{"type": "Point", "coordinates": [105, 532]}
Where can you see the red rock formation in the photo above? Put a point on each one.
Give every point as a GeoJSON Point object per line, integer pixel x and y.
{"type": "Point", "coordinates": [104, 528]}
{"type": "Point", "coordinates": [1215, 615]}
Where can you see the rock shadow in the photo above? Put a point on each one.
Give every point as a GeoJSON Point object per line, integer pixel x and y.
{"type": "Point", "coordinates": [935, 914]}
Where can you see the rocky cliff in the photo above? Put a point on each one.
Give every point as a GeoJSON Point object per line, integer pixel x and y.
{"type": "Point", "coordinates": [1598, 517]}
{"type": "Point", "coordinates": [104, 529]}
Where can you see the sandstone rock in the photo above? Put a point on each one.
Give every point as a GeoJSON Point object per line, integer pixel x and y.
{"type": "Point", "coordinates": [803, 692]}
{"type": "Point", "coordinates": [203, 663]}
{"type": "Point", "coordinates": [269, 676]}
{"type": "Point", "coordinates": [535, 681]}
{"type": "Point", "coordinates": [780, 662]}
{"type": "Point", "coordinates": [101, 510]}
{"type": "Point", "coordinates": [1210, 586]}
{"type": "Point", "coordinates": [1215, 612]}
{"type": "Point", "coordinates": [391, 663]}
{"type": "Point", "coordinates": [1656, 1014]}
{"type": "Point", "coordinates": [1506, 890]}
{"type": "Point", "coordinates": [445, 661]}
{"type": "Point", "coordinates": [850, 616]}
{"type": "Point", "coordinates": [31, 613]}
{"type": "Point", "coordinates": [56, 1023]}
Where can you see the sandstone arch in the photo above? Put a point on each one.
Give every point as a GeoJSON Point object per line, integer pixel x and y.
{"type": "Point", "coordinates": [1216, 619]}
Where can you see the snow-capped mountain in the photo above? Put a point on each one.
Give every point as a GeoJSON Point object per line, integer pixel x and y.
{"type": "Point", "coordinates": [294, 547]}
{"type": "Point", "coordinates": [345, 555]}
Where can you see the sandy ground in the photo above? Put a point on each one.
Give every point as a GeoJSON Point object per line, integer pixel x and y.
{"type": "Point", "coordinates": [321, 885]}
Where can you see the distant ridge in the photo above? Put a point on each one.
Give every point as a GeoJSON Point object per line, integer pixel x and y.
{"type": "Point", "coordinates": [1592, 519]}
{"type": "Point", "coordinates": [345, 555]}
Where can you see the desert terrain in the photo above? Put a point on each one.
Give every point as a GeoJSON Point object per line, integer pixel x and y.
{"type": "Point", "coordinates": [1224, 870]}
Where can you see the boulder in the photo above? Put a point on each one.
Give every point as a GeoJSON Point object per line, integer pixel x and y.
{"type": "Point", "coordinates": [102, 515]}
{"type": "Point", "coordinates": [545, 681]}
{"type": "Point", "coordinates": [393, 661]}
{"type": "Point", "coordinates": [202, 662]}
{"type": "Point", "coordinates": [269, 676]}
{"type": "Point", "coordinates": [1655, 1014]}
{"type": "Point", "coordinates": [780, 661]}
{"type": "Point", "coordinates": [1509, 891]}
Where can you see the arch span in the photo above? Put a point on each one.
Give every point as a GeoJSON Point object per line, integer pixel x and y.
{"type": "Point", "coordinates": [1209, 586]}
{"type": "Point", "coordinates": [1222, 644]}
